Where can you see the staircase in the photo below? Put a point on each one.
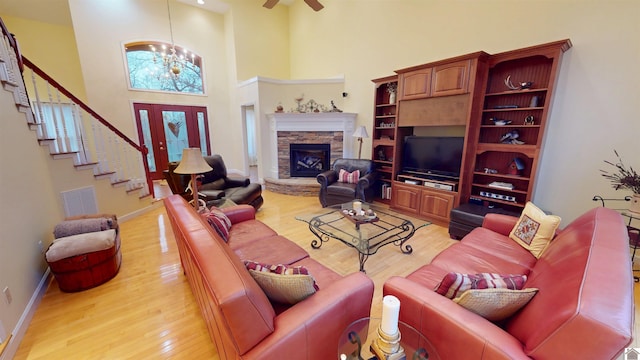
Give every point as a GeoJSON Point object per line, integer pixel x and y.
{"type": "Point", "coordinates": [69, 129]}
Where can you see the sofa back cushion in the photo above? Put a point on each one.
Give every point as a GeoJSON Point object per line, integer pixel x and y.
{"type": "Point", "coordinates": [585, 300]}
{"type": "Point", "coordinates": [236, 310]}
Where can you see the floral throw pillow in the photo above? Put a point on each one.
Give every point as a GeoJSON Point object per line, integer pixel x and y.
{"type": "Point", "coordinates": [535, 229]}
{"type": "Point", "coordinates": [349, 177]}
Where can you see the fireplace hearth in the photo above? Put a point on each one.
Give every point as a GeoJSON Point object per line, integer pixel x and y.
{"type": "Point", "coordinates": [309, 160]}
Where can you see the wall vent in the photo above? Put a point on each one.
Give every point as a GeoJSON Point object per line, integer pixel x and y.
{"type": "Point", "coordinates": [80, 201]}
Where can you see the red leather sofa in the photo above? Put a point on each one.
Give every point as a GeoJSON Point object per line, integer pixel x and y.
{"type": "Point", "coordinates": [241, 320]}
{"type": "Point", "coordinates": [584, 308]}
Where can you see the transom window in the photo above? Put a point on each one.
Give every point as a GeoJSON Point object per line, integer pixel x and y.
{"type": "Point", "coordinates": [163, 67]}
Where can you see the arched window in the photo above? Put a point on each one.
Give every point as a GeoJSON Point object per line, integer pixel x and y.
{"type": "Point", "coordinates": [163, 67]}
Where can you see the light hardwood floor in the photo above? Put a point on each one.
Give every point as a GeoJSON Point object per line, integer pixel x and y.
{"type": "Point", "coordinates": [148, 311]}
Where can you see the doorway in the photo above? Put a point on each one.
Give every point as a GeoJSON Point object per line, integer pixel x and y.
{"type": "Point", "coordinates": [250, 128]}
{"type": "Point", "coordinates": [167, 129]}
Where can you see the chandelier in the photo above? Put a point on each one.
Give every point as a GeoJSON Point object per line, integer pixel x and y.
{"type": "Point", "coordinates": [172, 60]}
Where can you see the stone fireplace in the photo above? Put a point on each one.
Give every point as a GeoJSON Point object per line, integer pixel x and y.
{"type": "Point", "coordinates": [332, 129]}
{"type": "Point", "coordinates": [308, 160]}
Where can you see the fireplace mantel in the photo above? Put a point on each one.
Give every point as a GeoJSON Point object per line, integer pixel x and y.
{"type": "Point", "coordinates": [309, 122]}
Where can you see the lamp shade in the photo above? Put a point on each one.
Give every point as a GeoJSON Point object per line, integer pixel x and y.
{"type": "Point", "coordinates": [192, 162]}
{"type": "Point", "coordinates": [361, 132]}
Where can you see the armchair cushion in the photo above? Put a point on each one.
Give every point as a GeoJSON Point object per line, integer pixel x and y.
{"type": "Point", "coordinates": [349, 177]}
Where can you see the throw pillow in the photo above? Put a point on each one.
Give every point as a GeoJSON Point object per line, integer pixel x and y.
{"type": "Point", "coordinates": [453, 284]}
{"type": "Point", "coordinates": [349, 177]}
{"type": "Point", "coordinates": [287, 285]}
{"type": "Point", "coordinates": [495, 304]}
{"type": "Point", "coordinates": [535, 229]}
{"type": "Point", "coordinates": [219, 222]}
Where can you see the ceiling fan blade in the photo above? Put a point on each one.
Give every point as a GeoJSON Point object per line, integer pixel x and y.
{"type": "Point", "coordinates": [269, 4]}
{"type": "Point", "coordinates": [314, 4]}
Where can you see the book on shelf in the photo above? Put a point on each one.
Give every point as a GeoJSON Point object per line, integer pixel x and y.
{"type": "Point", "coordinates": [501, 185]}
{"type": "Point", "coordinates": [386, 191]}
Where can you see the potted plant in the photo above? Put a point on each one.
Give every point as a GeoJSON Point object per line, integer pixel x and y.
{"type": "Point", "coordinates": [625, 178]}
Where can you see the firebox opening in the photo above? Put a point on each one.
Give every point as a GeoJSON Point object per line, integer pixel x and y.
{"type": "Point", "coordinates": [309, 160]}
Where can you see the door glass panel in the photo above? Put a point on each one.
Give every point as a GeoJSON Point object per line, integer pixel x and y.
{"type": "Point", "coordinates": [175, 129]}
{"type": "Point", "coordinates": [146, 134]}
{"type": "Point", "coordinates": [203, 134]}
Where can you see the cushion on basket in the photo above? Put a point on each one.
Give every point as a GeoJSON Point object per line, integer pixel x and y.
{"type": "Point", "coordinates": [80, 244]}
{"type": "Point", "coordinates": [287, 285]}
{"type": "Point", "coordinates": [495, 304]}
{"type": "Point", "coordinates": [81, 226]}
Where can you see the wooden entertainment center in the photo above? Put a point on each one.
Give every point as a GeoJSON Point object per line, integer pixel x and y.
{"type": "Point", "coordinates": [499, 103]}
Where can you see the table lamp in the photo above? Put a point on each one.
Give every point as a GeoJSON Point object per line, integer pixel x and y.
{"type": "Point", "coordinates": [361, 132]}
{"type": "Point", "coordinates": [193, 163]}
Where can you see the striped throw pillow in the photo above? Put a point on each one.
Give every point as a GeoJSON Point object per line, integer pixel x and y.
{"type": "Point", "coordinates": [349, 177]}
{"type": "Point", "coordinates": [219, 222]}
{"type": "Point", "coordinates": [454, 284]}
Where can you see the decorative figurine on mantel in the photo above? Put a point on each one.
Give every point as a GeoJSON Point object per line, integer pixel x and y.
{"type": "Point", "coordinates": [334, 108]}
{"type": "Point", "coordinates": [279, 108]}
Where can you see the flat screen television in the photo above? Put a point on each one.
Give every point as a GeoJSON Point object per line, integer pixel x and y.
{"type": "Point", "coordinates": [427, 155]}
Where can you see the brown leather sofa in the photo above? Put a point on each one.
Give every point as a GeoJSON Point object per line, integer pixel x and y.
{"type": "Point", "coordinates": [334, 192]}
{"type": "Point", "coordinates": [242, 322]}
{"type": "Point", "coordinates": [216, 185]}
{"type": "Point", "coordinates": [584, 308]}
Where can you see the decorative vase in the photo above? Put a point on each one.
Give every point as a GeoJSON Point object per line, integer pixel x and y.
{"type": "Point", "coordinates": [392, 98]}
{"type": "Point", "coordinates": [635, 204]}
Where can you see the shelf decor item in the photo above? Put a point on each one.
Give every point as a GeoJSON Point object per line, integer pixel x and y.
{"type": "Point", "coordinates": [392, 89]}
{"type": "Point", "coordinates": [625, 178]}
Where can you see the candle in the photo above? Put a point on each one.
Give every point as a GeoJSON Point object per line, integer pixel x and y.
{"type": "Point", "coordinates": [357, 207]}
{"type": "Point", "coordinates": [390, 313]}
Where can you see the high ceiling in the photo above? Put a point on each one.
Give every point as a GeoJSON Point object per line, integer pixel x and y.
{"type": "Point", "coordinates": [50, 11]}
{"type": "Point", "coordinates": [57, 11]}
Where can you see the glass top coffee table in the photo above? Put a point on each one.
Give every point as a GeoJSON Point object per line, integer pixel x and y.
{"type": "Point", "coordinates": [356, 340]}
{"type": "Point", "coordinates": [365, 233]}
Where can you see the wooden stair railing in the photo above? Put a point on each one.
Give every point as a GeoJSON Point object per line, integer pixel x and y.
{"type": "Point", "coordinates": [68, 126]}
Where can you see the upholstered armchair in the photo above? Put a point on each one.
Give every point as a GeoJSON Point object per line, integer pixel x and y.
{"type": "Point", "coordinates": [216, 185]}
{"type": "Point", "coordinates": [336, 190]}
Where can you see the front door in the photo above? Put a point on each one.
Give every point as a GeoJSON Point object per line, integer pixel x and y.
{"type": "Point", "coordinates": [167, 129]}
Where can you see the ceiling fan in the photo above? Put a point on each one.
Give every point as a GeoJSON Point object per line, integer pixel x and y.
{"type": "Point", "coordinates": [314, 4]}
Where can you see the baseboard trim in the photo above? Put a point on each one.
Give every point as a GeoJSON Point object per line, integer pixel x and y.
{"type": "Point", "coordinates": [23, 324]}
{"type": "Point", "coordinates": [139, 212]}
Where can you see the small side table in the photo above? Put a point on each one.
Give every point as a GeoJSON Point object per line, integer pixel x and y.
{"type": "Point", "coordinates": [355, 341]}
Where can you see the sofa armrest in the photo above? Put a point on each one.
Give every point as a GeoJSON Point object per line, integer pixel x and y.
{"type": "Point", "coordinates": [311, 328]}
{"type": "Point", "coordinates": [454, 331]}
{"type": "Point", "coordinates": [500, 223]}
{"type": "Point", "coordinates": [327, 178]}
{"type": "Point", "coordinates": [236, 182]}
{"type": "Point", "coordinates": [239, 213]}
